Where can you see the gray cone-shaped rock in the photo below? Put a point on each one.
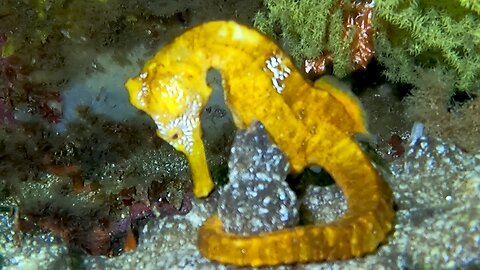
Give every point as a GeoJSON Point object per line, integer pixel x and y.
{"type": "Point", "coordinates": [257, 197]}
{"type": "Point", "coordinates": [254, 156]}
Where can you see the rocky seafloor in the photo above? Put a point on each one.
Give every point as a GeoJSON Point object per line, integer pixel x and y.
{"type": "Point", "coordinates": [436, 188]}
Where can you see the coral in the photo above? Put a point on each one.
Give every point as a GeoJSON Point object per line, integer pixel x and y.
{"type": "Point", "coordinates": [299, 20]}
{"type": "Point", "coordinates": [471, 5]}
{"type": "Point", "coordinates": [321, 32]}
{"type": "Point", "coordinates": [405, 36]}
{"type": "Point", "coordinates": [257, 188]}
{"type": "Point", "coordinates": [414, 35]}
{"type": "Point", "coordinates": [310, 124]}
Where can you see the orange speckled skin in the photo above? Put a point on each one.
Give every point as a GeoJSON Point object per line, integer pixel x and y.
{"type": "Point", "coordinates": [312, 124]}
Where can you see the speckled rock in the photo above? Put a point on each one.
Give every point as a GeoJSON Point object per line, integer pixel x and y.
{"type": "Point", "coordinates": [254, 156]}
{"type": "Point", "coordinates": [437, 190]}
{"type": "Point", "coordinates": [430, 158]}
{"type": "Point", "coordinates": [257, 198]}
{"type": "Point", "coordinates": [39, 251]}
{"type": "Point", "coordinates": [431, 232]}
{"type": "Point", "coordinates": [326, 204]}
{"type": "Point", "coordinates": [167, 243]}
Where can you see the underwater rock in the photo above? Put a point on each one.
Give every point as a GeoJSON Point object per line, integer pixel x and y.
{"type": "Point", "coordinates": [257, 198]}
{"type": "Point", "coordinates": [325, 204]}
{"type": "Point", "coordinates": [426, 159]}
{"type": "Point", "coordinates": [437, 234]}
{"type": "Point", "coordinates": [427, 153]}
{"type": "Point", "coordinates": [39, 251]}
{"type": "Point", "coordinates": [437, 188]}
{"type": "Point", "coordinates": [254, 156]}
{"type": "Point", "coordinates": [166, 243]}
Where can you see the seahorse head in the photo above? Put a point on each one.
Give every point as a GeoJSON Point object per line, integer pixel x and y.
{"type": "Point", "coordinates": [174, 108]}
{"type": "Point", "coordinates": [174, 99]}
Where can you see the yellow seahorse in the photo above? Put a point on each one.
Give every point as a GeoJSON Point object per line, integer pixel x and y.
{"type": "Point", "coordinates": [312, 124]}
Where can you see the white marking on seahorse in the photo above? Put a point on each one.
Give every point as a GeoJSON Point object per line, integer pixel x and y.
{"type": "Point", "coordinates": [186, 123]}
{"type": "Point", "coordinates": [279, 70]}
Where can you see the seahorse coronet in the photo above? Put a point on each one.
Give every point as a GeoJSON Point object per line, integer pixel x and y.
{"type": "Point", "coordinates": [313, 124]}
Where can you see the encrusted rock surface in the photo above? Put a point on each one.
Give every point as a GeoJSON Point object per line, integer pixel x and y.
{"type": "Point", "coordinates": [42, 251]}
{"type": "Point", "coordinates": [433, 168]}
{"type": "Point", "coordinates": [436, 226]}
{"type": "Point", "coordinates": [437, 190]}
{"type": "Point", "coordinates": [257, 198]}
{"type": "Point", "coordinates": [167, 243]}
{"type": "Point", "coordinates": [325, 204]}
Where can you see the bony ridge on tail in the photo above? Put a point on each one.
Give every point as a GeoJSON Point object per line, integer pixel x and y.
{"type": "Point", "coordinates": [312, 124]}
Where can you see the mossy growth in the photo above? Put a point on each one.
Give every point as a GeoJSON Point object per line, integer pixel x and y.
{"type": "Point", "coordinates": [307, 29]}
{"type": "Point", "coordinates": [416, 35]}
{"type": "Point", "coordinates": [78, 183]}
{"type": "Point", "coordinates": [410, 35]}
{"type": "Point", "coordinates": [431, 102]}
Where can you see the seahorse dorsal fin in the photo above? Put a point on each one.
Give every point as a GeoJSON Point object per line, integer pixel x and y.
{"type": "Point", "coordinates": [343, 93]}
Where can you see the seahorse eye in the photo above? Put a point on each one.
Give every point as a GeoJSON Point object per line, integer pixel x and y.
{"type": "Point", "coordinates": [174, 134]}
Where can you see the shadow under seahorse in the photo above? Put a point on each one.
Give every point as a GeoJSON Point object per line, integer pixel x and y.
{"type": "Point", "coordinates": [312, 124]}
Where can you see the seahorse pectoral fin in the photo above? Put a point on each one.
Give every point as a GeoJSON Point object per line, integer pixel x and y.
{"type": "Point", "coordinates": [202, 181]}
